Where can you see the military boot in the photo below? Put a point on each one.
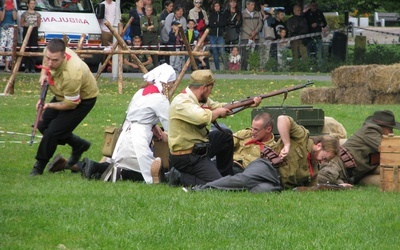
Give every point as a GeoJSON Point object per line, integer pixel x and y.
{"type": "Point", "coordinates": [93, 170]}
{"type": "Point", "coordinates": [59, 163]}
{"type": "Point", "coordinates": [79, 146]}
{"type": "Point", "coordinates": [38, 168]}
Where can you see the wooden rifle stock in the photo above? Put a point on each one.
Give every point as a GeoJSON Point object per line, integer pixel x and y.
{"type": "Point", "coordinates": [42, 99]}
{"type": "Point", "coordinates": [242, 104]}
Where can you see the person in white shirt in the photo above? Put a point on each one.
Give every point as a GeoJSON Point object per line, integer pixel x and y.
{"type": "Point", "coordinates": [109, 15]}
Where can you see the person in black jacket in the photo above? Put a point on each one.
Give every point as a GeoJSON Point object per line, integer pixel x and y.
{"type": "Point", "coordinates": [136, 13]}
{"type": "Point", "coordinates": [315, 22]}
{"type": "Point", "coordinates": [217, 23]}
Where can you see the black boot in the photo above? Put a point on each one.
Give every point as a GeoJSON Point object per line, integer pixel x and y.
{"type": "Point", "coordinates": [79, 146]}
{"type": "Point", "coordinates": [37, 169]}
{"type": "Point", "coordinates": [173, 177]}
{"type": "Point", "coordinates": [92, 170]}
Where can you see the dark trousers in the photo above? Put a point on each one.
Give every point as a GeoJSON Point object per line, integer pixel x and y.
{"type": "Point", "coordinates": [30, 61]}
{"type": "Point", "coordinates": [200, 169]}
{"type": "Point", "coordinates": [260, 176]}
{"type": "Point", "coordinates": [57, 127]}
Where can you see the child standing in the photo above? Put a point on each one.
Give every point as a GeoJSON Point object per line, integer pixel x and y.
{"type": "Point", "coordinates": [234, 59]}
{"type": "Point", "coordinates": [175, 40]}
{"type": "Point", "coordinates": [282, 47]}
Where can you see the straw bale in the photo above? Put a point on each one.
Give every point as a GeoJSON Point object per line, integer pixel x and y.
{"type": "Point", "coordinates": [385, 79]}
{"type": "Point", "coordinates": [383, 98]}
{"type": "Point", "coordinates": [351, 76]}
{"type": "Point", "coordinates": [318, 95]}
{"type": "Point", "coordinates": [354, 95]}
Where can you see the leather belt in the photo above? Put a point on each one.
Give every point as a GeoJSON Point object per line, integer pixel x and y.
{"type": "Point", "coordinates": [182, 152]}
{"type": "Point", "coordinates": [347, 158]}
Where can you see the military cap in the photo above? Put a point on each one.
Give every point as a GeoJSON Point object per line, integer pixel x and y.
{"type": "Point", "coordinates": [202, 76]}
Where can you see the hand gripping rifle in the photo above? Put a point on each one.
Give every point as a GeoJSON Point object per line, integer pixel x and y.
{"type": "Point", "coordinates": [43, 93]}
{"type": "Point", "coordinates": [242, 104]}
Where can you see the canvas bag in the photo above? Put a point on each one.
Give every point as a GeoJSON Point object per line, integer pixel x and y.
{"type": "Point", "coordinates": [111, 135]}
{"type": "Point", "coordinates": [268, 32]}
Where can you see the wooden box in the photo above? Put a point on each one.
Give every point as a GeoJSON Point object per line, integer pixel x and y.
{"type": "Point", "coordinates": [390, 163]}
{"type": "Point", "coordinates": [390, 150]}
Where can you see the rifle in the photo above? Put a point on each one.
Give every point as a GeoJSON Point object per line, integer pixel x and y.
{"type": "Point", "coordinates": [242, 104]}
{"type": "Point", "coordinates": [42, 99]}
{"type": "Point", "coordinates": [321, 187]}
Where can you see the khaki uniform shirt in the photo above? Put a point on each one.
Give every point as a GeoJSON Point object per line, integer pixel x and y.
{"type": "Point", "coordinates": [73, 81]}
{"type": "Point", "coordinates": [295, 170]}
{"type": "Point", "coordinates": [333, 172]}
{"type": "Point", "coordinates": [244, 154]}
{"type": "Point", "coordinates": [188, 121]}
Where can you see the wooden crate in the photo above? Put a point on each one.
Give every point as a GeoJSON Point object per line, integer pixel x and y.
{"type": "Point", "coordinates": [390, 178]}
{"type": "Point", "coordinates": [390, 163]}
{"type": "Point", "coordinates": [390, 150]}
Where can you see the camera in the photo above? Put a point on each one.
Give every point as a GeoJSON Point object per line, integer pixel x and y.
{"type": "Point", "coordinates": [267, 9]}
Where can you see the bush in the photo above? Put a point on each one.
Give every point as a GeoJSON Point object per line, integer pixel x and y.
{"type": "Point", "coordinates": [376, 54]}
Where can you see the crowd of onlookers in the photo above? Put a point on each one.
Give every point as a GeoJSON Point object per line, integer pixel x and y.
{"type": "Point", "coordinates": [234, 32]}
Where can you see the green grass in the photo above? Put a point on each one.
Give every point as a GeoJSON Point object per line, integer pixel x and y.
{"type": "Point", "coordinates": [63, 211]}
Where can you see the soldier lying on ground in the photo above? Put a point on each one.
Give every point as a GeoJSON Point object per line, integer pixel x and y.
{"type": "Point", "coordinates": [301, 158]}
{"type": "Point", "coordinates": [359, 155]}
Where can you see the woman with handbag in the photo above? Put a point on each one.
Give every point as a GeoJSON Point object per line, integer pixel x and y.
{"type": "Point", "coordinates": [132, 154]}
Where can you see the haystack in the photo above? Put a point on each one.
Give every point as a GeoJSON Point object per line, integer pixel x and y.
{"type": "Point", "coordinates": [354, 95]}
{"type": "Point", "coordinates": [387, 98]}
{"type": "Point", "coordinates": [385, 79]}
{"type": "Point", "coordinates": [351, 76]}
{"type": "Point", "coordinates": [318, 95]}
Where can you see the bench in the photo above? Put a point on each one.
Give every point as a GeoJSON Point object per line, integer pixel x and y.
{"type": "Point", "coordinates": [381, 18]}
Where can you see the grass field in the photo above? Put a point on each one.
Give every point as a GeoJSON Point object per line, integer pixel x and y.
{"type": "Point", "coordinates": [63, 211]}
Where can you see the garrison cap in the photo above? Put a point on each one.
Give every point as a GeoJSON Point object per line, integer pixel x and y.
{"type": "Point", "coordinates": [202, 76]}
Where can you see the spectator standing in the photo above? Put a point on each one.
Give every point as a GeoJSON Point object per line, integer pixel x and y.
{"type": "Point", "coordinates": [251, 26]}
{"type": "Point", "coordinates": [234, 19]}
{"type": "Point", "coordinates": [297, 25]}
{"type": "Point", "coordinates": [277, 24]}
{"type": "Point", "coordinates": [177, 16]}
{"type": "Point", "coordinates": [31, 18]}
{"type": "Point", "coordinates": [176, 41]}
{"type": "Point", "coordinates": [218, 21]}
{"type": "Point", "coordinates": [149, 25]}
{"type": "Point", "coordinates": [168, 7]}
{"type": "Point", "coordinates": [267, 34]}
{"type": "Point", "coordinates": [136, 13]}
{"type": "Point", "coordinates": [315, 22]}
{"type": "Point", "coordinates": [8, 17]}
{"type": "Point", "coordinates": [200, 16]}
{"type": "Point", "coordinates": [109, 16]}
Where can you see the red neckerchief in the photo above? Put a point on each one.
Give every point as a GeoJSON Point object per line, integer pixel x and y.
{"type": "Point", "coordinates": [151, 89]}
{"type": "Point", "coordinates": [310, 166]}
{"type": "Point", "coordinates": [255, 142]}
{"type": "Point", "coordinates": [48, 73]}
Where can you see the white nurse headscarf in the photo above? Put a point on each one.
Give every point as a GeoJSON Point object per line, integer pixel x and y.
{"type": "Point", "coordinates": [160, 74]}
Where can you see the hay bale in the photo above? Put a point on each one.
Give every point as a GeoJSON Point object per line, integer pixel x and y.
{"type": "Point", "coordinates": [354, 95]}
{"type": "Point", "coordinates": [318, 95]}
{"type": "Point", "coordinates": [351, 76]}
{"type": "Point", "coordinates": [385, 79]}
{"type": "Point", "coordinates": [383, 98]}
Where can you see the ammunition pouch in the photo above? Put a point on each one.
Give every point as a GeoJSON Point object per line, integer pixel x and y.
{"type": "Point", "coordinates": [201, 148]}
{"type": "Point", "coordinates": [270, 154]}
{"type": "Point", "coordinates": [347, 158]}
